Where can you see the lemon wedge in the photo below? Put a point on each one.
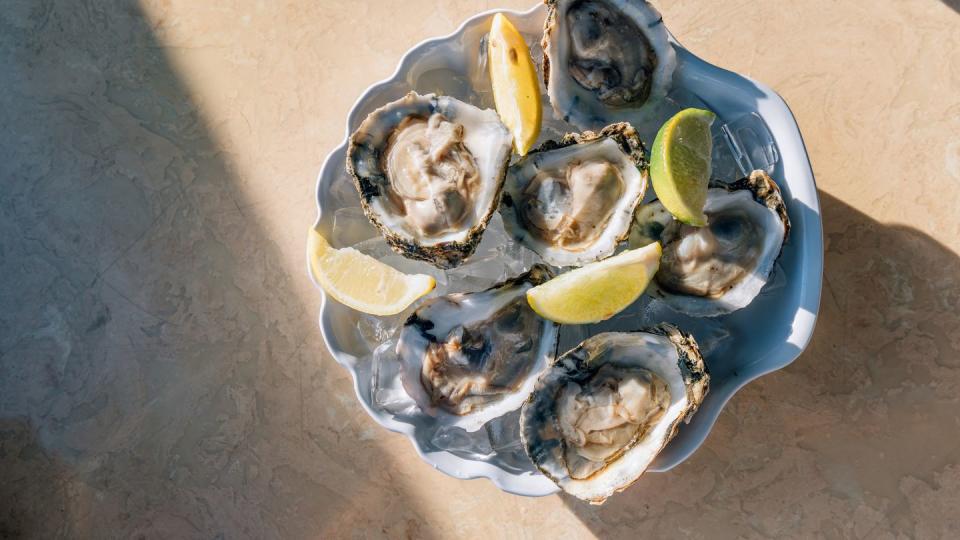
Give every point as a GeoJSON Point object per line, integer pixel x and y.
{"type": "Point", "coordinates": [597, 291]}
{"type": "Point", "coordinates": [680, 164]}
{"type": "Point", "coordinates": [516, 90]}
{"type": "Point", "coordinates": [362, 282]}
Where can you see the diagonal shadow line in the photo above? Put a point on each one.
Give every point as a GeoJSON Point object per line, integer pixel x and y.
{"type": "Point", "coordinates": [783, 445]}
{"type": "Point", "coordinates": [157, 395]}
{"type": "Point", "coordinates": [952, 4]}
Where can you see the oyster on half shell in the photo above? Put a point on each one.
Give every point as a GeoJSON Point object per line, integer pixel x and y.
{"type": "Point", "coordinates": [721, 267]}
{"type": "Point", "coordinates": [603, 411]}
{"type": "Point", "coordinates": [429, 170]}
{"type": "Point", "coordinates": [605, 58]}
{"type": "Point", "coordinates": [468, 358]}
{"type": "Point", "coordinates": [572, 201]}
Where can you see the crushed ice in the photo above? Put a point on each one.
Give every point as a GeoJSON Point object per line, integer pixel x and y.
{"type": "Point", "coordinates": [740, 144]}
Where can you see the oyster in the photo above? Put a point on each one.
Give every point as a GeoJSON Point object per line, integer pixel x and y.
{"type": "Point", "coordinates": [712, 270]}
{"type": "Point", "coordinates": [603, 411]}
{"type": "Point", "coordinates": [604, 58]}
{"type": "Point", "coordinates": [573, 201]}
{"type": "Point", "coordinates": [470, 357]}
{"type": "Point", "coordinates": [429, 170]}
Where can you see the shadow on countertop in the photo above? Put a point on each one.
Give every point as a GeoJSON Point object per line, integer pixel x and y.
{"type": "Point", "coordinates": [30, 473]}
{"type": "Point", "coordinates": [953, 4]}
{"type": "Point", "coordinates": [158, 375]}
{"type": "Point", "coordinates": [878, 381]}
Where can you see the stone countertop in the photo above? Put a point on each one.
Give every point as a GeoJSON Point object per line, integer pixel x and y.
{"type": "Point", "coordinates": [161, 370]}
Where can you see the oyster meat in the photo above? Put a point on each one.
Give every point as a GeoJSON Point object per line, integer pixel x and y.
{"type": "Point", "coordinates": [429, 170]}
{"type": "Point", "coordinates": [470, 357]}
{"type": "Point", "coordinates": [603, 411]}
{"type": "Point", "coordinates": [721, 267]}
{"type": "Point", "coordinates": [604, 58]}
{"type": "Point", "coordinates": [573, 201]}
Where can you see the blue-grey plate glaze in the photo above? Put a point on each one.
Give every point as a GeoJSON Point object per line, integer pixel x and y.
{"type": "Point", "coordinates": [755, 129]}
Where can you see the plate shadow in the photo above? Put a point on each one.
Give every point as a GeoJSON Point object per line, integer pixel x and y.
{"type": "Point", "coordinates": [859, 421]}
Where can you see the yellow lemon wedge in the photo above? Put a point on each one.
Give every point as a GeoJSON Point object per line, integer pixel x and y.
{"type": "Point", "coordinates": [516, 89]}
{"type": "Point", "coordinates": [680, 164]}
{"type": "Point", "coordinates": [597, 291]}
{"type": "Point", "coordinates": [362, 282]}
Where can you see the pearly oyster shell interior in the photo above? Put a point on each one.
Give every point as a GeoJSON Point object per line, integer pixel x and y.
{"type": "Point", "coordinates": [429, 170]}
{"type": "Point", "coordinates": [603, 411]}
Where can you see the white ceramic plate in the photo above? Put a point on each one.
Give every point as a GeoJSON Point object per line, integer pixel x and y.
{"type": "Point", "coordinates": [755, 129]}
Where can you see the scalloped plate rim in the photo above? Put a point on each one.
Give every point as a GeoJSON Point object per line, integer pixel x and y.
{"type": "Point", "coordinates": [538, 485]}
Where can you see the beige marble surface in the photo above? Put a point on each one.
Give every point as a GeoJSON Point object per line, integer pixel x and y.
{"type": "Point", "coordinates": [161, 372]}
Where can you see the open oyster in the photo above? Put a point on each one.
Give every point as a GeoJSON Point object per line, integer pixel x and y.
{"type": "Point", "coordinates": [470, 357]}
{"type": "Point", "coordinates": [604, 410]}
{"type": "Point", "coordinates": [573, 201]}
{"type": "Point", "coordinates": [604, 57]}
{"type": "Point", "coordinates": [712, 270]}
{"type": "Point", "coordinates": [429, 170]}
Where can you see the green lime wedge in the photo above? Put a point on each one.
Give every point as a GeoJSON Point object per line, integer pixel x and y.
{"type": "Point", "coordinates": [680, 164]}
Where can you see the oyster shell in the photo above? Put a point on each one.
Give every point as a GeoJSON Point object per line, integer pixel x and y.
{"type": "Point", "coordinates": [603, 411]}
{"type": "Point", "coordinates": [572, 201]}
{"type": "Point", "coordinates": [720, 268]}
{"type": "Point", "coordinates": [470, 357]}
{"type": "Point", "coordinates": [603, 59]}
{"type": "Point", "coordinates": [429, 170]}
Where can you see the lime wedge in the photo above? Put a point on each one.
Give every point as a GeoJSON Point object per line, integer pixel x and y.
{"type": "Point", "coordinates": [597, 291]}
{"type": "Point", "coordinates": [680, 164]}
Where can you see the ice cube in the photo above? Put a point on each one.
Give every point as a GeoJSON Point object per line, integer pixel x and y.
{"type": "Point", "coordinates": [553, 128]}
{"type": "Point", "coordinates": [479, 78]}
{"type": "Point", "coordinates": [376, 247]}
{"type": "Point", "coordinates": [520, 259]}
{"type": "Point", "coordinates": [517, 257]}
{"type": "Point", "coordinates": [504, 432]}
{"type": "Point", "coordinates": [536, 51]}
{"type": "Point", "coordinates": [477, 275]}
{"type": "Point", "coordinates": [455, 439]}
{"type": "Point", "coordinates": [375, 330]}
{"type": "Point", "coordinates": [396, 402]}
{"type": "Point", "coordinates": [385, 367]}
{"type": "Point", "coordinates": [712, 337]}
{"type": "Point", "coordinates": [385, 385]}
{"type": "Point", "coordinates": [342, 192]}
{"type": "Point", "coordinates": [655, 312]}
{"type": "Point", "coordinates": [627, 320]}
{"type": "Point", "coordinates": [444, 82]}
{"type": "Point", "coordinates": [711, 334]}
{"type": "Point", "coordinates": [494, 237]}
{"type": "Point", "coordinates": [486, 267]}
{"type": "Point", "coordinates": [747, 142]}
{"type": "Point", "coordinates": [411, 266]}
{"type": "Point", "coordinates": [351, 226]}
{"type": "Point", "coordinates": [724, 165]}
{"type": "Point", "coordinates": [515, 460]}
{"type": "Point", "coordinates": [482, 98]}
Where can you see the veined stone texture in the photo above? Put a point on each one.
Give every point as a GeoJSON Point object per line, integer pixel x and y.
{"type": "Point", "coordinates": [161, 370]}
